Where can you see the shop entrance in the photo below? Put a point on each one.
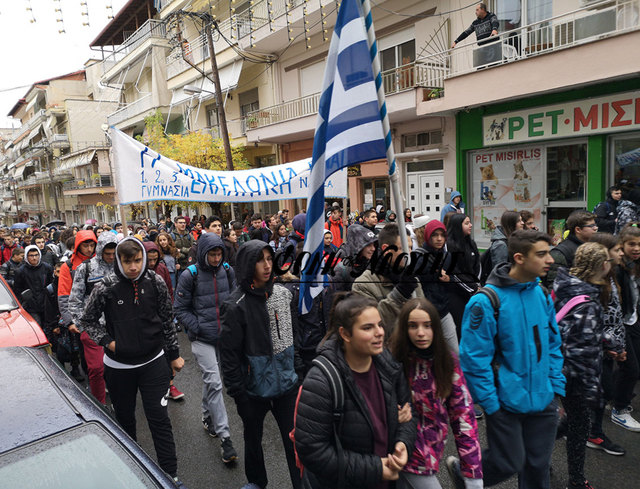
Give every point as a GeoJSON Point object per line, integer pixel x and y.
{"type": "Point", "coordinates": [377, 192]}
{"type": "Point", "coordinates": [425, 187]}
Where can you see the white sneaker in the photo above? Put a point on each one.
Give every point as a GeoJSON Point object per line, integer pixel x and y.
{"type": "Point", "coordinates": [623, 418]}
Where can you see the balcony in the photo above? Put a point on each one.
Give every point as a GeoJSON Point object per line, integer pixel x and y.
{"type": "Point", "coordinates": [140, 106]}
{"type": "Point", "coordinates": [405, 78]}
{"type": "Point", "coordinates": [534, 59]}
{"type": "Point", "coordinates": [59, 141]}
{"type": "Point", "coordinates": [103, 181]}
{"type": "Point", "coordinates": [38, 118]}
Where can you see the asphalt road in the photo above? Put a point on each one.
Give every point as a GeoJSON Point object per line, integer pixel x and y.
{"type": "Point", "coordinates": [200, 465]}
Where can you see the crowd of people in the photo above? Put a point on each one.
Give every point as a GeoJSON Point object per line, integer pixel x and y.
{"type": "Point", "coordinates": [395, 351]}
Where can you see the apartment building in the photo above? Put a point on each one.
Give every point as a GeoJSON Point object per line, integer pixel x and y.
{"type": "Point", "coordinates": [548, 115]}
{"type": "Point", "coordinates": [60, 138]}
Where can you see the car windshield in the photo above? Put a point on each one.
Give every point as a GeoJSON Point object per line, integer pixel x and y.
{"type": "Point", "coordinates": [78, 458]}
{"type": "Point", "coordinates": [7, 302]}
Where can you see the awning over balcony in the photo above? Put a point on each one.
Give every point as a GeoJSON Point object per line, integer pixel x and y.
{"type": "Point", "coordinates": [20, 171]}
{"type": "Point", "coordinates": [229, 76]}
{"type": "Point", "coordinates": [68, 164]}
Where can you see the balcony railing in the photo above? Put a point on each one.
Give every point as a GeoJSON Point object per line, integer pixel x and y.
{"type": "Point", "coordinates": [37, 118]}
{"type": "Point", "coordinates": [260, 14]}
{"type": "Point", "coordinates": [131, 110]}
{"type": "Point", "coordinates": [584, 25]}
{"type": "Point", "coordinates": [103, 181]}
{"type": "Point", "coordinates": [60, 140]}
{"type": "Point", "coordinates": [150, 29]}
{"type": "Point", "coordinates": [396, 80]}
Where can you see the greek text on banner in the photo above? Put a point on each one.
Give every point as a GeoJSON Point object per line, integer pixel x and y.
{"type": "Point", "coordinates": [143, 175]}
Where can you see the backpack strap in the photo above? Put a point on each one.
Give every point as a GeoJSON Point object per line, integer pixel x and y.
{"type": "Point", "coordinates": [573, 302]}
{"type": "Point", "coordinates": [492, 295]}
{"type": "Point", "coordinates": [193, 270]}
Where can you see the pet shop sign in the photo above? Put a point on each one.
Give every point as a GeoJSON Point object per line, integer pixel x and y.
{"type": "Point", "coordinates": [610, 113]}
{"type": "Point", "coordinates": [143, 175]}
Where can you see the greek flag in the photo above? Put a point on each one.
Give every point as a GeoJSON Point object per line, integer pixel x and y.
{"type": "Point", "coordinates": [349, 130]}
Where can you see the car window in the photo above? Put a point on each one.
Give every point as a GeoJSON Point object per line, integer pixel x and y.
{"type": "Point", "coordinates": [7, 302]}
{"type": "Point", "coordinates": [82, 457]}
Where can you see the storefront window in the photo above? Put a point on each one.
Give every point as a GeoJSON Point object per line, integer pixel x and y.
{"type": "Point", "coordinates": [626, 159]}
{"type": "Point", "coordinates": [566, 172]}
{"type": "Point", "coordinates": [376, 192]}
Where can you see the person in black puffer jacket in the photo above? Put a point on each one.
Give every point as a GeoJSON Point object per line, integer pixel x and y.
{"type": "Point", "coordinates": [370, 427]}
{"type": "Point", "coordinates": [201, 291]}
{"type": "Point", "coordinates": [34, 275]}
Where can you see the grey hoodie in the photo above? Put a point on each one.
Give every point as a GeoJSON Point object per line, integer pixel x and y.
{"type": "Point", "coordinates": [353, 266]}
{"type": "Point", "coordinates": [89, 273]}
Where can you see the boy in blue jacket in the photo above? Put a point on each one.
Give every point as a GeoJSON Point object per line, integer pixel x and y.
{"type": "Point", "coordinates": [512, 360]}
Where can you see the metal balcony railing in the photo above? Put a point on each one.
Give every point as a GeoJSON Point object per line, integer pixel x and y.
{"type": "Point", "coordinates": [152, 28]}
{"type": "Point", "coordinates": [588, 24]}
{"type": "Point", "coordinates": [131, 110]}
{"type": "Point", "coordinates": [103, 181]}
{"type": "Point", "coordinates": [396, 80]}
{"type": "Point", "coordinates": [37, 118]}
{"type": "Point", "coordinates": [59, 140]}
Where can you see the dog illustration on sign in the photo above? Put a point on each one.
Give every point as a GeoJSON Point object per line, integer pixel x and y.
{"type": "Point", "coordinates": [496, 130]}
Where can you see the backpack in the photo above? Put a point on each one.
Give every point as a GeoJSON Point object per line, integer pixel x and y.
{"type": "Point", "coordinates": [193, 270]}
{"type": "Point", "coordinates": [573, 302]}
{"type": "Point", "coordinates": [337, 390]}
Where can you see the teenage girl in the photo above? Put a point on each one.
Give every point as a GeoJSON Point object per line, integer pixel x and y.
{"type": "Point", "coordinates": [581, 330]}
{"type": "Point", "coordinates": [169, 253]}
{"type": "Point", "coordinates": [440, 398]}
{"type": "Point", "coordinates": [374, 445]}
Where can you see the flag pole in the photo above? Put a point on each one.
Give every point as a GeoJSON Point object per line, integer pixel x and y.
{"type": "Point", "coordinates": [394, 174]}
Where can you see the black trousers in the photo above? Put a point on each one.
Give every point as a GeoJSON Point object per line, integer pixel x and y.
{"type": "Point", "coordinates": [520, 444]}
{"type": "Point", "coordinates": [152, 380]}
{"type": "Point", "coordinates": [252, 413]}
{"type": "Point", "coordinates": [607, 394]}
{"type": "Point", "coordinates": [629, 370]}
{"type": "Point", "coordinates": [578, 420]}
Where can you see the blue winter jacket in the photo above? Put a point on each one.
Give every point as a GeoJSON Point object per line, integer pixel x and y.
{"type": "Point", "coordinates": [529, 347]}
{"type": "Point", "coordinates": [451, 207]}
{"type": "Point", "coordinates": [201, 291]}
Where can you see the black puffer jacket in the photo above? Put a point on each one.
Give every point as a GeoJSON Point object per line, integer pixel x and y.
{"type": "Point", "coordinates": [581, 331]}
{"type": "Point", "coordinates": [36, 278]}
{"type": "Point", "coordinates": [314, 423]}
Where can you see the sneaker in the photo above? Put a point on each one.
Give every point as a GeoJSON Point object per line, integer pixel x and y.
{"type": "Point", "coordinates": [453, 467]}
{"type": "Point", "coordinates": [174, 393]}
{"type": "Point", "coordinates": [603, 443]}
{"type": "Point", "coordinates": [75, 373]}
{"type": "Point", "coordinates": [477, 410]}
{"type": "Point", "coordinates": [228, 452]}
{"type": "Point", "coordinates": [584, 485]}
{"type": "Point", "coordinates": [624, 419]}
{"type": "Point", "coordinates": [179, 483]}
{"type": "Point", "coordinates": [208, 426]}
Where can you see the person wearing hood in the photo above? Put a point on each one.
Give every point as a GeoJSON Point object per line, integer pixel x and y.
{"type": "Point", "coordinates": [260, 357]}
{"type": "Point", "coordinates": [519, 334]}
{"type": "Point", "coordinates": [628, 209]}
{"type": "Point", "coordinates": [581, 329]}
{"type": "Point", "coordinates": [48, 256]}
{"type": "Point", "coordinates": [200, 293]}
{"type": "Point", "coordinates": [33, 275]}
{"type": "Point", "coordinates": [455, 205]}
{"type": "Point", "coordinates": [86, 276]}
{"type": "Point", "coordinates": [83, 249]}
{"type": "Point", "coordinates": [137, 333]}
{"type": "Point", "coordinates": [388, 285]}
{"type": "Point", "coordinates": [431, 265]}
{"type": "Point", "coordinates": [299, 223]}
{"type": "Point", "coordinates": [361, 245]}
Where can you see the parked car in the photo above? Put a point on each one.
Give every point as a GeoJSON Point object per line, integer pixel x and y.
{"type": "Point", "coordinates": [54, 435]}
{"type": "Point", "coordinates": [17, 327]}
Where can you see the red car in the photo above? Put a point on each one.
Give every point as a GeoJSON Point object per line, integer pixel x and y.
{"type": "Point", "coordinates": [17, 327]}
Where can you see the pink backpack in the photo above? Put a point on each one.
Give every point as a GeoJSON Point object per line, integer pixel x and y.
{"type": "Point", "coordinates": [573, 302]}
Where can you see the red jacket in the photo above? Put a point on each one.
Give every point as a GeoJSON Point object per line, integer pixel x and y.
{"type": "Point", "coordinates": [6, 251]}
{"type": "Point", "coordinates": [160, 269]}
{"type": "Point", "coordinates": [65, 282]}
{"type": "Point", "coordinates": [337, 229]}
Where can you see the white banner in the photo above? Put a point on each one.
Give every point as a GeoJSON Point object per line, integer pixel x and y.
{"type": "Point", "coordinates": [609, 113]}
{"type": "Point", "coordinates": [143, 175]}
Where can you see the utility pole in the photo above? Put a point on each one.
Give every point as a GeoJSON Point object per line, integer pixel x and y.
{"type": "Point", "coordinates": [53, 186]}
{"type": "Point", "coordinates": [15, 196]}
{"type": "Point", "coordinates": [222, 118]}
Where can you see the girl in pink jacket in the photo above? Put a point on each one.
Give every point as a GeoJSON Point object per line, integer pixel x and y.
{"type": "Point", "coordinates": [440, 398]}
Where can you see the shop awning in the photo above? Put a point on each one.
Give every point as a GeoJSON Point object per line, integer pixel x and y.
{"type": "Point", "coordinates": [68, 164]}
{"type": "Point", "coordinates": [229, 76]}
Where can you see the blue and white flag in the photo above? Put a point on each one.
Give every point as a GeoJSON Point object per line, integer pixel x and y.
{"type": "Point", "coordinates": [349, 131]}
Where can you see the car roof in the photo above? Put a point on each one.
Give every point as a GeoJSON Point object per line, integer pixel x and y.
{"type": "Point", "coordinates": [39, 410]}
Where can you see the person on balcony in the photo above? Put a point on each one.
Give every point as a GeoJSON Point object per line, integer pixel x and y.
{"type": "Point", "coordinates": [485, 26]}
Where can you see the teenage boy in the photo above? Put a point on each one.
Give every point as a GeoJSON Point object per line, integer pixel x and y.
{"type": "Point", "coordinates": [369, 220]}
{"type": "Point", "coordinates": [86, 276]}
{"type": "Point", "coordinates": [48, 256]}
{"type": "Point", "coordinates": [606, 212]}
{"type": "Point", "coordinates": [455, 205]}
{"type": "Point", "coordinates": [260, 363]}
{"type": "Point", "coordinates": [387, 285]}
{"type": "Point", "coordinates": [199, 296]}
{"type": "Point", "coordinates": [212, 225]}
{"type": "Point", "coordinates": [581, 225]}
{"type": "Point", "coordinates": [183, 241]}
{"type": "Point", "coordinates": [137, 334]}
{"type": "Point", "coordinates": [336, 226]}
{"type": "Point", "coordinates": [35, 276]}
{"type": "Point", "coordinates": [7, 248]}
{"type": "Point", "coordinates": [8, 270]}
{"type": "Point", "coordinates": [511, 357]}
{"type": "Point", "coordinates": [361, 245]}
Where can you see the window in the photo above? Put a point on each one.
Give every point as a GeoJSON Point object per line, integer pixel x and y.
{"type": "Point", "coordinates": [265, 160]}
{"type": "Point", "coordinates": [566, 172]}
{"type": "Point", "coordinates": [248, 103]}
{"type": "Point", "coordinates": [212, 120]}
{"type": "Point", "coordinates": [396, 66]}
{"type": "Point", "coordinates": [311, 78]}
{"type": "Point", "coordinates": [411, 142]}
{"type": "Point", "coordinates": [626, 158]}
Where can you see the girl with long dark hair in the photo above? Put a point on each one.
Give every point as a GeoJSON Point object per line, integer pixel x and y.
{"type": "Point", "coordinates": [374, 441]}
{"type": "Point", "coordinates": [440, 398]}
{"type": "Point", "coordinates": [465, 265]}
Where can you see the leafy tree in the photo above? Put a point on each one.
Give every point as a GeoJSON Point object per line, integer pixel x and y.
{"type": "Point", "coordinates": [198, 149]}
